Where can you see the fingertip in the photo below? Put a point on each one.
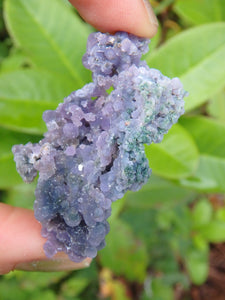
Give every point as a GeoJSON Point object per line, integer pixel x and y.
{"type": "Point", "coordinates": [150, 29]}
{"type": "Point", "coordinates": [136, 17]}
{"type": "Point", "coordinates": [20, 237]}
{"type": "Point", "coordinates": [21, 244]}
{"type": "Point", "coordinates": [60, 262]}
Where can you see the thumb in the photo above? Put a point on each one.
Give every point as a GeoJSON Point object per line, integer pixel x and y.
{"type": "Point", "coordinates": [21, 244]}
{"type": "Point", "coordinates": [133, 16]}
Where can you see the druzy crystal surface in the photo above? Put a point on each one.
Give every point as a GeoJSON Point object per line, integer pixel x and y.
{"type": "Point", "coordinates": [93, 151]}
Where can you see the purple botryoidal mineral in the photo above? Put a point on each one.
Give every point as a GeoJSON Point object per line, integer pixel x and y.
{"type": "Point", "coordinates": [93, 151]}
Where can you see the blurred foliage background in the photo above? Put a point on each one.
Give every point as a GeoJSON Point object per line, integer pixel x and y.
{"type": "Point", "coordinates": [161, 237]}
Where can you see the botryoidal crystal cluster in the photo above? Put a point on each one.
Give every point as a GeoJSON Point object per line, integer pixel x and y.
{"type": "Point", "coordinates": [93, 151]}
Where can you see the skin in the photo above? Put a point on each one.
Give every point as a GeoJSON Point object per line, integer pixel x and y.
{"type": "Point", "coordinates": [116, 15]}
{"type": "Point", "coordinates": [21, 243]}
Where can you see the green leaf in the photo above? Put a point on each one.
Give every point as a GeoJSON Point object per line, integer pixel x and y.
{"type": "Point", "coordinates": [35, 285]}
{"type": "Point", "coordinates": [14, 61]}
{"type": "Point", "coordinates": [21, 195]}
{"type": "Point", "coordinates": [209, 176]}
{"type": "Point", "coordinates": [78, 282]}
{"type": "Point", "coordinates": [74, 286]}
{"type": "Point", "coordinates": [3, 50]}
{"type": "Point", "coordinates": [124, 254]}
{"type": "Point", "coordinates": [26, 94]}
{"type": "Point", "coordinates": [209, 134]}
{"type": "Point", "coordinates": [200, 11]}
{"type": "Point", "coordinates": [199, 242]}
{"type": "Point", "coordinates": [202, 213]}
{"type": "Point", "coordinates": [214, 232]}
{"type": "Point", "coordinates": [220, 214]}
{"type": "Point", "coordinates": [156, 289]}
{"type": "Point", "coordinates": [51, 35]}
{"type": "Point", "coordinates": [8, 174]}
{"type": "Point", "coordinates": [162, 7]}
{"type": "Point", "coordinates": [157, 191]}
{"type": "Point", "coordinates": [176, 156]}
{"type": "Point", "coordinates": [197, 265]}
{"type": "Point", "coordinates": [15, 291]}
{"type": "Point", "coordinates": [161, 239]}
{"type": "Point", "coordinates": [216, 106]}
{"type": "Point", "coordinates": [143, 223]}
{"type": "Point", "coordinates": [47, 295]}
{"type": "Point", "coordinates": [194, 56]}
{"type": "Point", "coordinates": [117, 207]}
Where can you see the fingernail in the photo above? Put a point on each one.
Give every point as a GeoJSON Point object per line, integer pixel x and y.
{"type": "Point", "coordinates": [60, 262]}
{"type": "Point", "coordinates": [152, 18]}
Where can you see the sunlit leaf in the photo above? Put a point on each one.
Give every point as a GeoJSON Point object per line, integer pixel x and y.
{"type": "Point", "coordinates": [52, 36]}
{"type": "Point", "coordinates": [176, 156]}
{"type": "Point", "coordinates": [195, 56]}
{"type": "Point", "coordinates": [216, 106]}
{"type": "Point", "coordinates": [214, 231]}
{"type": "Point", "coordinates": [201, 11]}
{"type": "Point", "coordinates": [209, 176]}
{"type": "Point", "coordinates": [26, 94]}
{"type": "Point", "coordinates": [209, 134]}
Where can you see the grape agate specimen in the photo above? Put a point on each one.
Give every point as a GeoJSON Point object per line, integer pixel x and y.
{"type": "Point", "coordinates": [93, 151]}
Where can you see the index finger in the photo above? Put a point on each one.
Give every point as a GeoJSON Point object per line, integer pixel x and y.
{"type": "Point", "coordinates": [133, 16]}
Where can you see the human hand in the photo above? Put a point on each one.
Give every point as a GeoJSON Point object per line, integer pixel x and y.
{"type": "Point", "coordinates": [21, 244]}
{"type": "Point", "coordinates": [134, 16]}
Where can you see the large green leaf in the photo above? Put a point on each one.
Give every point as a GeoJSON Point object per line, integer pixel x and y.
{"type": "Point", "coordinates": [124, 254]}
{"type": "Point", "coordinates": [26, 94]}
{"type": "Point", "coordinates": [176, 156]}
{"type": "Point", "coordinates": [51, 35]}
{"type": "Point", "coordinates": [157, 192]}
{"type": "Point", "coordinates": [209, 134]}
{"type": "Point", "coordinates": [3, 50]}
{"type": "Point", "coordinates": [216, 106]}
{"type": "Point", "coordinates": [14, 61]}
{"type": "Point", "coordinates": [8, 174]}
{"type": "Point", "coordinates": [209, 176]}
{"type": "Point", "coordinates": [201, 11]}
{"type": "Point", "coordinates": [196, 57]}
